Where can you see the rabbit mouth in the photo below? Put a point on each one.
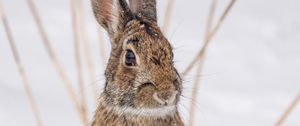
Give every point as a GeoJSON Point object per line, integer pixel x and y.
{"type": "Point", "coordinates": [166, 101]}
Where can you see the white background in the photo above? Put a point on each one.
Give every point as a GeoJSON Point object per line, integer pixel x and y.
{"type": "Point", "coordinates": [252, 70]}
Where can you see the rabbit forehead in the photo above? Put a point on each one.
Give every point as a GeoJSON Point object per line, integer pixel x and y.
{"type": "Point", "coordinates": [152, 48]}
{"type": "Point", "coordinates": [150, 44]}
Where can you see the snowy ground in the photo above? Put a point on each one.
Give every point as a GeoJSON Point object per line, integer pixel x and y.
{"type": "Point", "coordinates": [251, 73]}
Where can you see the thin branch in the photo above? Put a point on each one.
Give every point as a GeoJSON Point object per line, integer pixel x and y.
{"type": "Point", "coordinates": [20, 68]}
{"type": "Point", "coordinates": [288, 111]}
{"type": "Point", "coordinates": [87, 50]}
{"type": "Point", "coordinates": [54, 59]}
{"type": "Point", "coordinates": [167, 15]}
{"type": "Point", "coordinates": [101, 46]}
{"type": "Point", "coordinates": [76, 44]}
{"type": "Point", "coordinates": [200, 67]}
{"type": "Point", "coordinates": [210, 36]}
{"type": "Point", "coordinates": [194, 94]}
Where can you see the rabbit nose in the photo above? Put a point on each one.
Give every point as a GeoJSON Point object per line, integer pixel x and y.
{"type": "Point", "coordinates": [165, 97]}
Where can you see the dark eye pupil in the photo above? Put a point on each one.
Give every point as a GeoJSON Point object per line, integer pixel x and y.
{"type": "Point", "coordinates": [130, 58]}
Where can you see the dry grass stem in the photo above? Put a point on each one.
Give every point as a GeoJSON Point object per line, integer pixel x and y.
{"type": "Point", "coordinates": [289, 109]}
{"type": "Point", "coordinates": [167, 15]}
{"type": "Point", "coordinates": [87, 50]}
{"type": "Point", "coordinates": [78, 60]}
{"type": "Point", "coordinates": [195, 93]}
{"type": "Point", "coordinates": [101, 46]}
{"type": "Point", "coordinates": [54, 59]}
{"type": "Point", "coordinates": [200, 67]}
{"type": "Point", "coordinates": [208, 39]}
{"type": "Point", "coordinates": [20, 68]}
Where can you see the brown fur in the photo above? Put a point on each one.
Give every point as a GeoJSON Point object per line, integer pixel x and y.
{"type": "Point", "coordinates": [154, 73]}
{"type": "Point", "coordinates": [106, 117]}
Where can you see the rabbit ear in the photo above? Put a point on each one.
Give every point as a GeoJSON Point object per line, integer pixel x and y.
{"type": "Point", "coordinates": [112, 15]}
{"type": "Point", "coordinates": [144, 9]}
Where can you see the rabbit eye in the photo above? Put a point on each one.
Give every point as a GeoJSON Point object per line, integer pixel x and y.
{"type": "Point", "coordinates": [130, 59]}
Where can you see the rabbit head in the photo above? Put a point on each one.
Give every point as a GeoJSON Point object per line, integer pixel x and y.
{"type": "Point", "coordinates": [140, 72]}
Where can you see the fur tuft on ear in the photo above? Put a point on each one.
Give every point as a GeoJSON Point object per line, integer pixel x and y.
{"type": "Point", "coordinates": [112, 15]}
{"type": "Point", "coordinates": [144, 9]}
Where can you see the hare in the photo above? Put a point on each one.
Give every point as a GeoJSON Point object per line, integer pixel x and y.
{"type": "Point", "coordinates": [142, 85]}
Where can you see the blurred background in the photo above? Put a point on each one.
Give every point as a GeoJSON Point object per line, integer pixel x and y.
{"type": "Point", "coordinates": [251, 71]}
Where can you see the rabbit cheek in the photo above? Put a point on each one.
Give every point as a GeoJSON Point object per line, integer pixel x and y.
{"type": "Point", "coordinates": [127, 99]}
